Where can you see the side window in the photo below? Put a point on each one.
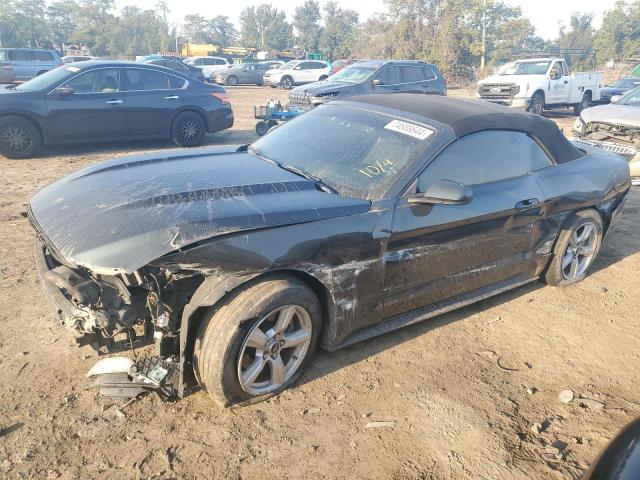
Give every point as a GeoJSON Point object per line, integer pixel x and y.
{"type": "Point", "coordinates": [198, 61]}
{"type": "Point", "coordinates": [19, 55]}
{"type": "Point", "coordinates": [219, 61]}
{"type": "Point", "coordinates": [41, 56]}
{"type": "Point", "coordinates": [388, 76]}
{"type": "Point", "coordinates": [556, 70]}
{"type": "Point", "coordinates": [318, 65]}
{"type": "Point", "coordinates": [411, 74]}
{"type": "Point", "coordinates": [304, 66]}
{"type": "Point", "coordinates": [428, 73]}
{"type": "Point", "coordinates": [176, 82]}
{"type": "Point", "coordinates": [487, 157]}
{"type": "Point", "coordinates": [141, 79]}
{"type": "Point", "coordinates": [96, 81]}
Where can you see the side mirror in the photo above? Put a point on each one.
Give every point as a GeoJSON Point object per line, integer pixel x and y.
{"type": "Point", "coordinates": [616, 98]}
{"type": "Point", "coordinates": [64, 91]}
{"type": "Point", "coordinates": [442, 192]}
{"type": "Point", "coordinates": [376, 82]}
{"type": "Point", "coordinates": [555, 75]}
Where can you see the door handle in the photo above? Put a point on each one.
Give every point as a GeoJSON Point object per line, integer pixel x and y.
{"type": "Point", "coordinates": [114, 102]}
{"type": "Point", "coordinates": [528, 203]}
{"type": "Point", "coordinates": [172, 97]}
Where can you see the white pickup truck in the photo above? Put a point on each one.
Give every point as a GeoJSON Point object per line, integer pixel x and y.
{"type": "Point", "coordinates": [540, 84]}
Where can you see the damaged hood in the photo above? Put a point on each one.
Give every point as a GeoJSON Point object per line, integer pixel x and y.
{"type": "Point", "coordinates": [119, 215]}
{"type": "Point", "coordinates": [613, 114]}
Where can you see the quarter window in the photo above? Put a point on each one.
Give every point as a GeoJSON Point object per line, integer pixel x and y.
{"type": "Point", "coordinates": [487, 157]}
{"type": "Point", "coordinates": [96, 81]}
{"type": "Point", "coordinates": [19, 55]}
{"type": "Point", "coordinates": [41, 56]}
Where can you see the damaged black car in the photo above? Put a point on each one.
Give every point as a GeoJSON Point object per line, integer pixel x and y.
{"type": "Point", "coordinates": [352, 220]}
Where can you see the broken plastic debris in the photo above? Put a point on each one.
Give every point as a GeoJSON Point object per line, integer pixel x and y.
{"type": "Point", "coordinates": [111, 365]}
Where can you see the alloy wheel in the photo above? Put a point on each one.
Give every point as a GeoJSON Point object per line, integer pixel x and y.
{"type": "Point", "coordinates": [15, 138]}
{"type": "Point", "coordinates": [189, 130]}
{"type": "Point", "coordinates": [274, 349]}
{"type": "Point", "coordinates": [580, 252]}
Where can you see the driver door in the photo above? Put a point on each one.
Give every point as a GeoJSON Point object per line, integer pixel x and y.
{"type": "Point", "coordinates": [94, 111]}
{"type": "Point", "coordinates": [437, 252]}
{"type": "Point", "coordinates": [559, 83]}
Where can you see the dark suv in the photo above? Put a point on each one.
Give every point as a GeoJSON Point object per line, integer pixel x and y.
{"type": "Point", "coordinates": [372, 76]}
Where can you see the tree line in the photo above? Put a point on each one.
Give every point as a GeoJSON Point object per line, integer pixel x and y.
{"type": "Point", "coordinates": [454, 34]}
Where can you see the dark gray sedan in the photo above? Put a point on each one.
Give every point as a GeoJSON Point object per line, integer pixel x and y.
{"type": "Point", "coordinates": [102, 101]}
{"type": "Point", "coordinates": [247, 74]}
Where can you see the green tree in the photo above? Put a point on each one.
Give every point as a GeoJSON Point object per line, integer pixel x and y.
{"type": "Point", "coordinates": [339, 31]}
{"type": "Point", "coordinates": [221, 31]}
{"type": "Point", "coordinates": [265, 27]}
{"type": "Point", "coordinates": [194, 28]}
{"type": "Point", "coordinates": [579, 36]}
{"type": "Point", "coordinates": [619, 35]}
{"type": "Point", "coordinates": [61, 20]}
{"type": "Point", "coordinates": [96, 26]}
{"type": "Point", "coordinates": [306, 21]}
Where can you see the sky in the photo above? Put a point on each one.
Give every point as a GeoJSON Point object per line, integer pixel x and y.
{"type": "Point", "coordinates": [546, 15]}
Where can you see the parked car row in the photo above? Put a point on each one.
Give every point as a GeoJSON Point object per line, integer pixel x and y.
{"type": "Point", "coordinates": [28, 63]}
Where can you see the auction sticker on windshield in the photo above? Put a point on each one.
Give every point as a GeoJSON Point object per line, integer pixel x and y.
{"type": "Point", "coordinates": [411, 129]}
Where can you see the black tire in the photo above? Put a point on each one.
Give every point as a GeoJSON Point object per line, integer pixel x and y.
{"type": "Point", "coordinates": [223, 335]}
{"type": "Point", "coordinates": [323, 77]}
{"type": "Point", "coordinates": [188, 129]}
{"type": "Point", "coordinates": [583, 105]}
{"type": "Point", "coordinates": [273, 86]}
{"type": "Point", "coordinates": [262, 127]}
{"type": "Point", "coordinates": [232, 81]}
{"type": "Point", "coordinates": [19, 137]}
{"type": "Point", "coordinates": [558, 272]}
{"type": "Point", "coordinates": [272, 123]}
{"type": "Point", "coordinates": [287, 83]}
{"type": "Point", "coordinates": [537, 103]}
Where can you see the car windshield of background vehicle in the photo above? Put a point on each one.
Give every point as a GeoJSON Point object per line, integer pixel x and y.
{"type": "Point", "coordinates": [527, 68]}
{"type": "Point", "coordinates": [289, 65]}
{"type": "Point", "coordinates": [358, 153]}
{"type": "Point", "coordinates": [355, 74]}
{"type": "Point", "coordinates": [632, 98]}
{"type": "Point", "coordinates": [47, 79]}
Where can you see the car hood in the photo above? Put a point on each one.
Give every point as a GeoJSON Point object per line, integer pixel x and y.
{"type": "Point", "coordinates": [118, 216]}
{"type": "Point", "coordinates": [614, 114]}
{"type": "Point", "coordinates": [325, 86]}
{"type": "Point", "coordinates": [515, 79]}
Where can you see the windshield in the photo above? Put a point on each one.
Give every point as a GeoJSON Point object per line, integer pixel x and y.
{"type": "Point", "coordinates": [527, 68]}
{"type": "Point", "coordinates": [623, 84]}
{"type": "Point", "coordinates": [48, 79]}
{"type": "Point", "coordinates": [358, 153]}
{"type": "Point", "coordinates": [354, 74]}
{"type": "Point", "coordinates": [632, 98]}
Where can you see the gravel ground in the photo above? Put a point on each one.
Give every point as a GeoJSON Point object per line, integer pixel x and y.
{"type": "Point", "coordinates": [471, 394]}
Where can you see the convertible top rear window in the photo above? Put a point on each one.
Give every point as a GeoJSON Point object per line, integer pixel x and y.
{"type": "Point", "coordinates": [359, 153]}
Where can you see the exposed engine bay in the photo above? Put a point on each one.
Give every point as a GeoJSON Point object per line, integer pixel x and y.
{"type": "Point", "coordinates": [606, 132]}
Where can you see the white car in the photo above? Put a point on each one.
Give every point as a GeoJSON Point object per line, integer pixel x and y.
{"type": "Point", "coordinates": [209, 65]}
{"type": "Point", "coordinates": [540, 84]}
{"type": "Point", "coordinates": [297, 72]}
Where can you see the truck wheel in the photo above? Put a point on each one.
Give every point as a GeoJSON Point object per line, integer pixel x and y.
{"type": "Point", "coordinates": [19, 137]}
{"type": "Point", "coordinates": [262, 127]}
{"type": "Point", "coordinates": [577, 247]}
{"type": "Point", "coordinates": [537, 104]}
{"type": "Point", "coordinates": [287, 83]}
{"type": "Point", "coordinates": [583, 105]}
{"type": "Point", "coordinates": [257, 343]}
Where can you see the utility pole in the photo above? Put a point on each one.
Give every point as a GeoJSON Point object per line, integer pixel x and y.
{"type": "Point", "coordinates": [484, 38]}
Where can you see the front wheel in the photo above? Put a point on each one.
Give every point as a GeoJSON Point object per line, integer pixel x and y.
{"type": "Point", "coordinates": [258, 342]}
{"type": "Point", "coordinates": [287, 83]}
{"type": "Point", "coordinates": [188, 130]}
{"type": "Point", "coordinates": [19, 137]}
{"type": "Point", "coordinates": [537, 104]}
{"type": "Point", "coordinates": [232, 81]}
{"type": "Point", "coordinates": [576, 249]}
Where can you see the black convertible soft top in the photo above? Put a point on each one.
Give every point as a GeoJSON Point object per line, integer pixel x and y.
{"type": "Point", "coordinates": [469, 116]}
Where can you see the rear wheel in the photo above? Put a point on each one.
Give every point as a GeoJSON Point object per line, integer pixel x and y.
{"type": "Point", "coordinates": [583, 105]}
{"type": "Point", "coordinates": [19, 137]}
{"type": "Point", "coordinates": [287, 83]}
{"type": "Point", "coordinates": [258, 342]}
{"type": "Point", "coordinates": [262, 127]}
{"type": "Point", "coordinates": [576, 249]}
{"type": "Point", "coordinates": [537, 104]}
{"type": "Point", "coordinates": [188, 129]}
{"type": "Point", "coordinates": [232, 81]}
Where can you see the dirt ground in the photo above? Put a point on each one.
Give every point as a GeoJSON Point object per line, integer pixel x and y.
{"type": "Point", "coordinates": [470, 395]}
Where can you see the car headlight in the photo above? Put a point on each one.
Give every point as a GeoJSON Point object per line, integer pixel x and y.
{"type": "Point", "coordinates": [578, 125]}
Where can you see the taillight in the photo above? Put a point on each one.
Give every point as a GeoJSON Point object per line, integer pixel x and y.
{"type": "Point", "coordinates": [222, 96]}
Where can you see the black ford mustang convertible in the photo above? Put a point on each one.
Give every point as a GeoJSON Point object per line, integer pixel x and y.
{"type": "Point", "coordinates": [352, 220]}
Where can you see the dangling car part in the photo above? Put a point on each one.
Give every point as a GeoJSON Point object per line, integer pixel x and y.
{"type": "Point", "coordinates": [238, 262]}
